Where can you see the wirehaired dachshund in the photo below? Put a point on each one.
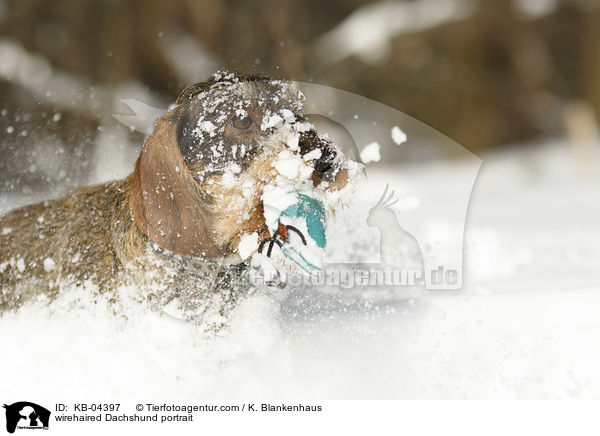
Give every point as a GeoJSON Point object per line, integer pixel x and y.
{"type": "Point", "coordinates": [168, 230]}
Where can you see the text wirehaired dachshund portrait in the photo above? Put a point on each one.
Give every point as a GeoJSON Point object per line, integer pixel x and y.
{"type": "Point", "coordinates": [165, 230]}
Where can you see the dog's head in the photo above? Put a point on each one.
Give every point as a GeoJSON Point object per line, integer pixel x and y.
{"type": "Point", "coordinates": [197, 184]}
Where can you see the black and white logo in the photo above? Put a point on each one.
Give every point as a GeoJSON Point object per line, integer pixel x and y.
{"type": "Point", "coordinates": [26, 415]}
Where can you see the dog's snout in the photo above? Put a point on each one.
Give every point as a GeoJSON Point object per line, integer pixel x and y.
{"type": "Point", "coordinates": [325, 164]}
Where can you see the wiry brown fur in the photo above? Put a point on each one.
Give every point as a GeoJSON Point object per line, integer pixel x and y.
{"type": "Point", "coordinates": [80, 234]}
{"type": "Point", "coordinates": [157, 230]}
{"type": "Point", "coordinates": [166, 202]}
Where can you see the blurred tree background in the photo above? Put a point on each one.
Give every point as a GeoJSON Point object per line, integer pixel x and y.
{"type": "Point", "coordinates": [485, 72]}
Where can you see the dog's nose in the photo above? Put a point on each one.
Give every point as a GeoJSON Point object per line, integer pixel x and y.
{"type": "Point", "coordinates": [326, 164]}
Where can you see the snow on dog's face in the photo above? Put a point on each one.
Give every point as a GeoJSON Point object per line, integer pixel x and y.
{"type": "Point", "coordinates": [201, 173]}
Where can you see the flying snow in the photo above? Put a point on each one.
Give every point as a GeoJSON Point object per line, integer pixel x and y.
{"type": "Point", "coordinates": [371, 153]}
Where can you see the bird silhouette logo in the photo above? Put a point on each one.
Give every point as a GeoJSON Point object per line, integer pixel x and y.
{"type": "Point", "coordinates": [397, 247]}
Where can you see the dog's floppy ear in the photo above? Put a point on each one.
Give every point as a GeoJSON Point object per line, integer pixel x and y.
{"type": "Point", "coordinates": [166, 202]}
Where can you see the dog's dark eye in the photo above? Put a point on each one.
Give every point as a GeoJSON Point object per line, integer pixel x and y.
{"type": "Point", "coordinates": [241, 123]}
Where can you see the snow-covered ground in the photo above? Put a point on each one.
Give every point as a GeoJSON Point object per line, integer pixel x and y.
{"type": "Point", "coordinates": [525, 324]}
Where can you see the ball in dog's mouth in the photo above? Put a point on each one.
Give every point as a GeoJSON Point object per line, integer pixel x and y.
{"type": "Point", "coordinates": [310, 179]}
